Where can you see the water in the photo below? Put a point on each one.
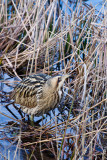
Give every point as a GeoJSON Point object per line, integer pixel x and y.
{"type": "Point", "coordinates": [5, 132]}
{"type": "Point", "coordinates": [96, 3]}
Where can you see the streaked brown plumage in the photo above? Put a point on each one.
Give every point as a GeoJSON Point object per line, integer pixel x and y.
{"type": "Point", "coordinates": [39, 93]}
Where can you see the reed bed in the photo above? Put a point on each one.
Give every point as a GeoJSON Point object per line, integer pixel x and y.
{"type": "Point", "coordinates": [56, 37]}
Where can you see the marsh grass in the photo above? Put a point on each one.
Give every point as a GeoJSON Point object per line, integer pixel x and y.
{"type": "Point", "coordinates": [56, 37]}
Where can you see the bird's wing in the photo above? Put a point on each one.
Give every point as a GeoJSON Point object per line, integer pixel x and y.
{"type": "Point", "coordinates": [30, 86]}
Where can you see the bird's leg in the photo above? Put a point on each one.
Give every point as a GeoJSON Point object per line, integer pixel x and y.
{"type": "Point", "coordinates": [32, 120]}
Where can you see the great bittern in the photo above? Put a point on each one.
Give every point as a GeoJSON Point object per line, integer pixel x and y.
{"type": "Point", "coordinates": [39, 93]}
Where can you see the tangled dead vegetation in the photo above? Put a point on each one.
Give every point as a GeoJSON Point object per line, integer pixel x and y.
{"type": "Point", "coordinates": [55, 37]}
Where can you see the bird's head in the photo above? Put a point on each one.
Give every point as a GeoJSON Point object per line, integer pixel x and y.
{"type": "Point", "coordinates": [56, 83]}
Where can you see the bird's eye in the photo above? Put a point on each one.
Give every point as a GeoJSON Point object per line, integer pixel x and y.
{"type": "Point", "coordinates": [59, 79]}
